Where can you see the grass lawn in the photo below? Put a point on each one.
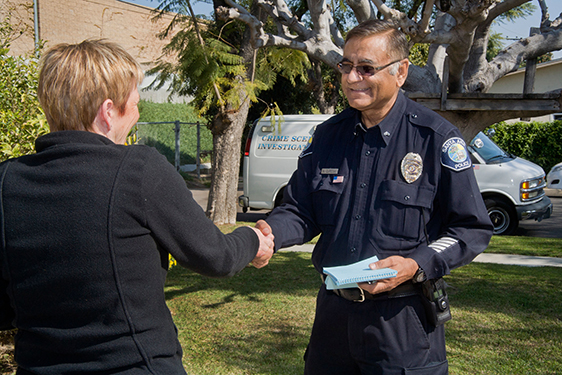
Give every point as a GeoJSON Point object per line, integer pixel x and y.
{"type": "Point", "coordinates": [257, 322]}
{"type": "Point", "coordinates": [534, 246]}
{"type": "Point", "coordinates": [506, 319]}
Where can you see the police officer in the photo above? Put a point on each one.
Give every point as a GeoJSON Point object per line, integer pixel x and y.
{"type": "Point", "coordinates": [390, 178]}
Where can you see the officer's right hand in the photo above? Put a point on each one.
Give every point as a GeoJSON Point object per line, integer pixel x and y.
{"type": "Point", "coordinates": [264, 227]}
{"type": "Point", "coordinates": [265, 250]}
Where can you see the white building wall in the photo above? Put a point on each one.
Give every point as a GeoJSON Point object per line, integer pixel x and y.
{"type": "Point", "coordinates": [548, 77]}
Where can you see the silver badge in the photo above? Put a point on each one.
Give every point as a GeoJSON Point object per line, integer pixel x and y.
{"type": "Point", "coordinates": [411, 167]}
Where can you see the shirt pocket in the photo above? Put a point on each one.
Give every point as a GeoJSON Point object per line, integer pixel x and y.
{"type": "Point", "coordinates": [326, 197]}
{"type": "Point", "coordinates": [401, 209]}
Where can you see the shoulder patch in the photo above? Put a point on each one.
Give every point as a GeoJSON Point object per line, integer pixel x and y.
{"type": "Point", "coordinates": [454, 154]}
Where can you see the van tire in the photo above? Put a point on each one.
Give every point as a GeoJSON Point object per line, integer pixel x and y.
{"type": "Point", "coordinates": [503, 216]}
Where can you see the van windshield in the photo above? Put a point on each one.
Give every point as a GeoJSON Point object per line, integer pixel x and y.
{"type": "Point", "coordinates": [487, 149]}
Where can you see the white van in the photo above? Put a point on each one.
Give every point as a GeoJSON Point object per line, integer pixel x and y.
{"type": "Point", "coordinates": [512, 187]}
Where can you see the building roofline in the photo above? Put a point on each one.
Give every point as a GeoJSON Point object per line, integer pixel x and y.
{"type": "Point", "coordinates": [136, 5]}
{"type": "Point", "coordinates": [539, 66]}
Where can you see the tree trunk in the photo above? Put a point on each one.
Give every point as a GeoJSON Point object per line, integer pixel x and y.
{"type": "Point", "coordinates": [227, 138]}
{"type": "Point", "coordinates": [227, 130]}
{"type": "Point", "coordinates": [326, 105]}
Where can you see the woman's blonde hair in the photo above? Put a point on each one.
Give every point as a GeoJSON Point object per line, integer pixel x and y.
{"type": "Point", "coordinates": [75, 79]}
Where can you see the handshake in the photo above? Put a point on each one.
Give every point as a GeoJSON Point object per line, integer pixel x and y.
{"type": "Point", "coordinates": [265, 251]}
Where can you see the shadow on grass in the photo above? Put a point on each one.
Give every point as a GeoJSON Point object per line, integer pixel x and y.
{"type": "Point", "coordinates": [497, 288]}
{"type": "Point", "coordinates": [274, 350]}
{"type": "Point", "coordinates": [288, 272]}
{"type": "Point", "coordinates": [257, 322]}
{"type": "Point", "coordinates": [506, 319]}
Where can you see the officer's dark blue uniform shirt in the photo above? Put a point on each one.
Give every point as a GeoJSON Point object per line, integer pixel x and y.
{"type": "Point", "coordinates": [352, 186]}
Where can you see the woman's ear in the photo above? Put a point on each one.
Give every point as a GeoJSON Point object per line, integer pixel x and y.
{"type": "Point", "coordinates": [103, 121]}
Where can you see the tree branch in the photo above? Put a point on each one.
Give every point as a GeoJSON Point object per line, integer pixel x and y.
{"type": "Point", "coordinates": [546, 23]}
{"type": "Point", "coordinates": [281, 14]}
{"type": "Point", "coordinates": [510, 58]}
{"type": "Point", "coordinates": [408, 26]}
{"type": "Point", "coordinates": [237, 12]}
{"type": "Point", "coordinates": [504, 6]}
{"type": "Point", "coordinates": [335, 32]}
{"type": "Point", "coordinates": [426, 16]}
{"type": "Point", "coordinates": [362, 9]}
{"type": "Point", "coordinates": [477, 58]}
{"type": "Point", "coordinates": [321, 18]}
{"type": "Point", "coordinates": [465, 35]}
{"type": "Point", "coordinates": [316, 42]}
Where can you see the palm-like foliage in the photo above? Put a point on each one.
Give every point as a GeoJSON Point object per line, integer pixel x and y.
{"type": "Point", "coordinates": [205, 72]}
{"type": "Point", "coordinates": [203, 65]}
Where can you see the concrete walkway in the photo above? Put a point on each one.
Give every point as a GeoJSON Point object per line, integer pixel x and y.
{"type": "Point", "coordinates": [516, 260]}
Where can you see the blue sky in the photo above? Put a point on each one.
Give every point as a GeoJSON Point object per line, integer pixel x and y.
{"type": "Point", "coordinates": [519, 29]}
{"type": "Point", "coordinates": [198, 7]}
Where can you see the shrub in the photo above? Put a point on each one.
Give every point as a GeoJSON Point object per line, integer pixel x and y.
{"type": "Point", "coordinates": [539, 142]}
{"type": "Point", "coordinates": [21, 118]}
{"type": "Point", "coordinates": [162, 136]}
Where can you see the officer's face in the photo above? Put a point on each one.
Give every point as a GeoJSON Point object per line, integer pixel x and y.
{"type": "Point", "coordinates": [371, 91]}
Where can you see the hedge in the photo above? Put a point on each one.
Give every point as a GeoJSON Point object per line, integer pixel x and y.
{"type": "Point", "coordinates": [539, 142]}
{"type": "Point", "coordinates": [21, 118]}
{"type": "Point", "coordinates": [162, 136]}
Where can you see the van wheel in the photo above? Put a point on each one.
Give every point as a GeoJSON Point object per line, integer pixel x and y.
{"type": "Point", "coordinates": [503, 216]}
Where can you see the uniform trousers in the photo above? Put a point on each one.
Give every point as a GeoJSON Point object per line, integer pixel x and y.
{"type": "Point", "coordinates": [384, 336]}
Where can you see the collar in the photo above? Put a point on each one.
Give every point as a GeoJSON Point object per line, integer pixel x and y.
{"type": "Point", "coordinates": [389, 125]}
{"type": "Point", "coordinates": [69, 137]}
{"type": "Point", "coordinates": [359, 126]}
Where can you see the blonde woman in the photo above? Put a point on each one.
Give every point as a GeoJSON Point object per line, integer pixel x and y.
{"type": "Point", "coordinates": [88, 224]}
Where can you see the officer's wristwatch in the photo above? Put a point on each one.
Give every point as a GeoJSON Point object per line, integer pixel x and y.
{"type": "Point", "coordinates": [419, 276]}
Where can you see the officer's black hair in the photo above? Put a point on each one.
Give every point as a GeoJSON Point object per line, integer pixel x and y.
{"type": "Point", "coordinates": [396, 39]}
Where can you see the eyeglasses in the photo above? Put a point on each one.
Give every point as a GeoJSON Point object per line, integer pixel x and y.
{"type": "Point", "coordinates": [362, 70]}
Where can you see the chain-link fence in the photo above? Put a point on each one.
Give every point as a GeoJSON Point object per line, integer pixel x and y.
{"type": "Point", "coordinates": [187, 145]}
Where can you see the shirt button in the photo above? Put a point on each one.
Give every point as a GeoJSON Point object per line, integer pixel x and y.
{"type": "Point", "coordinates": [353, 249]}
{"type": "Point", "coordinates": [363, 185]}
{"type": "Point", "coordinates": [367, 153]}
{"type": "Point", "coordinates": [357, 217]}
{"type": "Point", "coordinates": [407, 197]}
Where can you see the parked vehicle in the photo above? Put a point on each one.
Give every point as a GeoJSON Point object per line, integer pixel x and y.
{"type": "Point", "coordinates": [512, 188]}
{"type": "Point", "coordinates": [554, 177]}
{"type": "Point", "coordinates": [270, 158]}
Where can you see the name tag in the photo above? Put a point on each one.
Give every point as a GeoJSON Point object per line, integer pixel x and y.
{"type": "Point", "coordinates": [329, 171]}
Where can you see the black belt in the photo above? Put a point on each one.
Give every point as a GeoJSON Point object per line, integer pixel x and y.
{"type": "Point", "coordinates": [359, 295]}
